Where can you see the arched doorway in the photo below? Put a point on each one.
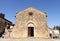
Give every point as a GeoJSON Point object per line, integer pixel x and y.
{"type": "Point", "coordinates": [30, 30]}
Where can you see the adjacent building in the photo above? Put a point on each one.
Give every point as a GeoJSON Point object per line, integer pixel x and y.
{"type": "Point", "coordinates": [3, 23]}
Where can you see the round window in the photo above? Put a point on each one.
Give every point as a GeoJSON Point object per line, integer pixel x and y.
{"type": "Point", "coordinates": [30, 13]}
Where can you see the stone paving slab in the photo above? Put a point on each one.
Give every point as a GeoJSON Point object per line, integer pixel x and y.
{"type": "Point", "coordinates": [29, 39]}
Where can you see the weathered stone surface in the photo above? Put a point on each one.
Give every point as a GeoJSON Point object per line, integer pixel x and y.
{"type": "Point", "coordinates": [30, 39]}
{"type": "Point", "coordinates": [25, 20]}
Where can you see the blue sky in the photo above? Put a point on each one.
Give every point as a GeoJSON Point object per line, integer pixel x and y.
{"type": "Point", "coordinates": [52, 8]}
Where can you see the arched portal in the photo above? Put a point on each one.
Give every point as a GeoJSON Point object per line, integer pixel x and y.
{"type": "Point", "coordinates": [30, 30]}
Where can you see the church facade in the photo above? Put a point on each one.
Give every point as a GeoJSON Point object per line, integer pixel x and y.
{"type": "Point", "coordinates": [30, 23]}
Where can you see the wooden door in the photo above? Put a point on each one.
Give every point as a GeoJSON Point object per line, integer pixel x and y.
{"type": "Point", "coordinates": [30, 31]}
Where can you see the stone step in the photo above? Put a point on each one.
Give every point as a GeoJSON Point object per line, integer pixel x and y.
{"type": "Point", "coordinates": [29, 39]}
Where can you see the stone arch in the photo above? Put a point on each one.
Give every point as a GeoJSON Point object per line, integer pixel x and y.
{"type": "Point", "coordinates": [30, 24]}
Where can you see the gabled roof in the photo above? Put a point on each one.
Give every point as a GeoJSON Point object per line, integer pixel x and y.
{"type": "Point", "coordinates": [31, 8]}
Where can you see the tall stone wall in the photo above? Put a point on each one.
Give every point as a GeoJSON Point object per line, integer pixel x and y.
{"type": "Point", "coordinates": [37, 18]}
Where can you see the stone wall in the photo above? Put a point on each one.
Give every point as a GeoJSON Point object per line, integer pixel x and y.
{"type": "Point", "coordinates": [38, 19]}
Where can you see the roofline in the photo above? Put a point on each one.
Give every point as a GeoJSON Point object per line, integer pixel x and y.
{"type": "Point", "coordinates": [31, 7]}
